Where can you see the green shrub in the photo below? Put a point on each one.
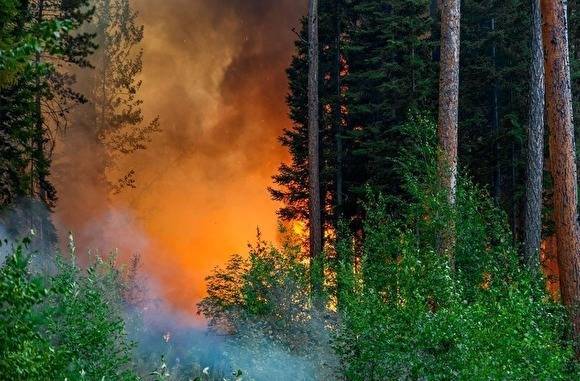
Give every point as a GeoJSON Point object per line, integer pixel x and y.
{"type": "Point", "coordinates": [262, 302]}
{"type": "Point", "coordinates": [63, 326]}
{"type": "Point", "coordinates": [409, 313]}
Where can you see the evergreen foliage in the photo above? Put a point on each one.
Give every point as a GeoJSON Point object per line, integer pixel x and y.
{"type": "Point", "coordinates": [116, 114]}
{"type": "Point", "coordinates": [389, 56]}
{"type": "Point", "coordinates": [494, 102]}
{"type": "Point", "coordinates": [390, 71]}
{"type": "Point", "coordinates": [39, 42]}
{"type": "Point", "coordinates": [20, 43]}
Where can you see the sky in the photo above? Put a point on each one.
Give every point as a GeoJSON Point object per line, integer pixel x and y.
{"type": "Point", "coordinates": [214, 73]}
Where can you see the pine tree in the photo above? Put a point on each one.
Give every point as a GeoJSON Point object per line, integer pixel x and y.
{"type": "Point", "coordinates": [15, 102]}
{"type": "Point", "coordinates": [349, 152]}
{"type": "Point", "coordinates": [35, 100]}
{"type": "Point", "coordinates": [493, 104]}
{"type": "Point", "coordinates": [447, 128]}
{"type": "Point", "coordinates": [314, 190]}
{"type": "Point", "coordinates": [114, 95]}
{"type": "Point", "coordinates": [292, 179]}
{"type": "Point", "coordinates": [390, 72]}
{"type": "Point", "coordinates": [388, 53]}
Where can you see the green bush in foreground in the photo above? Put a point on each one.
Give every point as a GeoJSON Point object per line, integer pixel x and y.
{"type": "Point", "coordinates": [63, 326]}
{"type": "Point", "coordinates": [404, 310]}
{"type": "Point", "coordinates": [407, 314]}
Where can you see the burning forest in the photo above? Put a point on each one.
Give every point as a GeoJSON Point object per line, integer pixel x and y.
{"type": "Point", "coordinates": [289, 190]}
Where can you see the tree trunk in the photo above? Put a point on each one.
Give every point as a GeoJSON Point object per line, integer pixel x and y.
{"type": "Point", "coordinates": [535, 160]}
{"type": "Point", "coordinates": [562, 156]}
{"type": "Point", "coordinates": [36, 174]}
{"type": "Point", "coordinates": [449, 95]}
{"type": "Point", "coordinates": [448, 107]}
{"type": "Point", "coordinates": [495, 124]}
{"type": "Point", "coordinates": [336, 112]}
{"type": "Point", "coordinates": [314, 150]}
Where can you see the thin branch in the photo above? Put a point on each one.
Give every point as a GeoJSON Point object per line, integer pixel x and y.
{"type": "Point", "coordinates": [293, 29]}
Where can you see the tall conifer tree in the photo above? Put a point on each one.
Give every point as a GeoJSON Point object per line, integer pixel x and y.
{"type": "Point", "coordinates": [315, 211]}
{"type": "Point", "coordinates": [390, 72]}
{"type": "Point", "coordinates": [535, 151]}
{"type": "Point", "coordinates": [116, 107]}
{"type": "Point", "coordinates": [447, 128]}
{"type": "Point", "coordinates": [562, 155]}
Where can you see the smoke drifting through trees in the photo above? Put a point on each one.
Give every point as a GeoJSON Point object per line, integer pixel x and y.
{"type": "Point", "coordinates": [214, 73]}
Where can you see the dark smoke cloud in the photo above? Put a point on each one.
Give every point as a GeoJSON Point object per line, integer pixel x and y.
{"type": "Point", "coordinates": [234, 54]}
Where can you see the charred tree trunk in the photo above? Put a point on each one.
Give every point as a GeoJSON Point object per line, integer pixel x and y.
{"type": "Point", "coordinates": [314, 150]}
{"type": "Point", "coordinates": [535, 159]}
{"type": "Point", "coordinates": [562, 156]}
{"type": "Point", "coordinates": [448, 107]}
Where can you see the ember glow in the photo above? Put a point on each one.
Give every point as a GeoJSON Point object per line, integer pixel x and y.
{"type": "Point", "coordinates": [214, 71]}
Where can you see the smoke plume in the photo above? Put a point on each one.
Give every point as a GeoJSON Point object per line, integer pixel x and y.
{"type": "Point", "coordinates": [214, 71]}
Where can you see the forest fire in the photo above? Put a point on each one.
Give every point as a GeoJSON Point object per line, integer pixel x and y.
{"type": "Point", "coordinates": [216, 79]}
{"type": "Point", "coordinates": [400, 143]}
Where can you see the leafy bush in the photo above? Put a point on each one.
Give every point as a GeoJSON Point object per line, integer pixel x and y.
{"type": "Point", "coordinates": [263, 304]}
{"type": "Point", "coordinates": [63, 326]}
{"type": "Point", "coordinates": [410, 313]}
{"type": "Point", "coordinates": [18, 48]}
{"type": "Point", "coordinates": [270, 286]}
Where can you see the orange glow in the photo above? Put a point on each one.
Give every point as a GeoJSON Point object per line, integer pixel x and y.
{"type": "Point", "coordinates": [215, 74]}
{"type": "Point", "coordinates": [300, 229]}
{"type": "Point", "coordinates": [549, 262]}
{"type": "Point", "coordinates": [486, 281]}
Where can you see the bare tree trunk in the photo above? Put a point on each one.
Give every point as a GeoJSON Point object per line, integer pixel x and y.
{"type": "Point", "coordinates": [38, 144]}
{"type": "Point", "coordinates": [314, 149]}
{"type": "Point", "coordinates": [535, 160]}
{"type": "Point", "coordinates": [337, 115]}
{"type": "Point", "coordinates": [448, 107]}
{"type": "Point", "coordinates": [449, 94]}
{"type": "Point", "coordinates": [495, 124]}
{"type": "Point", "coordinates": [37, 175]}
{"type": "Point", "coordinates": [562, 156]}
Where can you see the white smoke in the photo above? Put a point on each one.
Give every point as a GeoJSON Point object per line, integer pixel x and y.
{"type": "Point", "coordinates": [160, 330]}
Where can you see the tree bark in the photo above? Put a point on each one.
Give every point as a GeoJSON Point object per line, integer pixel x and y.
{"type": "Point", "coordinates": [562, 156]}
{"type": "Point", "coordinates": [448, 108]}
{"type": "Point", "coordinates": [36, 174]}
{"type": "Point", "coordinates": [314, 149]}
{"type": "Point", "coordinates": [535, 159]}
{"type": "Point", "coordinates": [449, 95]}
{"type": "Point", "coordinates": [495, 124]}
{"type": "Point", "coordinates": [336, 113]}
